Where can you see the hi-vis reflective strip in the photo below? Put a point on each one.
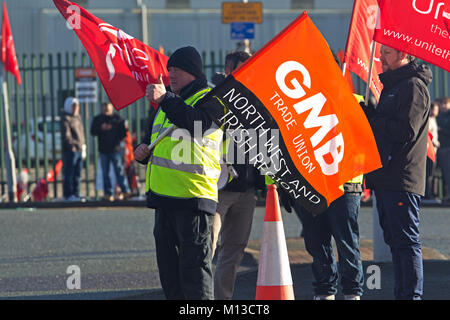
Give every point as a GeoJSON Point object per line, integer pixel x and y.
{"type": "Point", "coordinates": [275, 270]}
{"type": "Point", "coordinates": [184, 135]}
{"type": "Point", "coordinates": [186, 167]}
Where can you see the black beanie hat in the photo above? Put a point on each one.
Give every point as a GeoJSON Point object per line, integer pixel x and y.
{"type": "Point", "coordinates": [187, 59]}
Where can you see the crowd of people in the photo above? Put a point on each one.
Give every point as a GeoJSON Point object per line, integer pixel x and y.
{"type": "Point", "coordinates": [195, 220]}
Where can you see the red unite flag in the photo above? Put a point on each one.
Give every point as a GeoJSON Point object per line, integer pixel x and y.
{"type": "Point", "coordinates": [357, 53]}
{"type": "Point", "coordinates": [124, 64]}
{"type": "Point", "coordinates": [419, 28]}
{"type": "Point", "coordinates": [9, 57]}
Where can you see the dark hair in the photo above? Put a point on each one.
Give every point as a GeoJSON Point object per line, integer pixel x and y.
{"type": "Point", "coordinates": [233, 58]}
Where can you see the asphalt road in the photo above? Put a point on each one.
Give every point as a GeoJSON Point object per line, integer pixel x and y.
{"type": "Point", "coordinates": [114, 249]}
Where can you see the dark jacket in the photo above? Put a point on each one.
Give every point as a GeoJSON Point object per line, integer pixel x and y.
{"type": "Point", "coordinates": [109, 140]}
{"type": "Point", "coordinates": [72, 133]}
{"type": "Point", "coordinates": [183, 116]}
{"type": "Point", "coordinates": [400, 127]}
{"type": "Point", "coordinates": [443, 121]}
{"type": "Point", "coordinates": [248, 177]}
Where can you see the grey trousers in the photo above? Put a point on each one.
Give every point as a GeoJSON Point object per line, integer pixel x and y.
{"type": "Point", "coordinates": [232, 225]}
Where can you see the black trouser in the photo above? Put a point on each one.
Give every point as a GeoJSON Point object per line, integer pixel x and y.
{"type": "Point", "coordinates": [183, 251]}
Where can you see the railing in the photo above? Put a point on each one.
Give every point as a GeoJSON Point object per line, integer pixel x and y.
{"type": "Point", "coordinates": [46, 81]}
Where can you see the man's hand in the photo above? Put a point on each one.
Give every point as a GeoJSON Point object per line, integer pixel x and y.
{"type": "Point", "coordinates": [141, 152]}
{"type": "Point", "coordinates": [156, 92]}
{"type": "Point", "coordinates": [286, 200]}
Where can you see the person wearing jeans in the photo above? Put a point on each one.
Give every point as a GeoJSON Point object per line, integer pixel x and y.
{"type": "Point", "coordinates": [110, 129]}
{"type": "Point", "coordinates": [73, 148]}
{"type": "Point", "coordinates": [400, 127]}
{"type": "Point", "coordinates": [116, 158]}
{"type": "Point", "coordinates": [401, 233]}
{"type": "Point", "coordinates": [339, 221]}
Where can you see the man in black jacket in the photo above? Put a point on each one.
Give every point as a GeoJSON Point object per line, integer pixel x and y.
{"type": "Point", "coordinates": [184, 193]}
{"type": "Point", "coordinates": [400, 127]}
{"type": "Point", "coordinates": [110, 129]}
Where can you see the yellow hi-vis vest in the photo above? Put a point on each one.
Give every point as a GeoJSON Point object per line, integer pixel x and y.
{"type": "Point", "coordinates": [182, 166]}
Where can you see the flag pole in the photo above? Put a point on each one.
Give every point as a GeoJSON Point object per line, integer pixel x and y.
{"type": "Point", "coordinates": [344, 60]}
{"type": "Point", "coordinates": [369, 80]}
{"type": "Point", "coordinates": [344, 68]}
{"type": "Point", "coordinates": [10, 159]}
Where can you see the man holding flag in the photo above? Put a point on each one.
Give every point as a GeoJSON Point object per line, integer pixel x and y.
{"type": "Point", "coordinates": [400, 126]}
{"type": "Point", "coordinates": [182, 176]}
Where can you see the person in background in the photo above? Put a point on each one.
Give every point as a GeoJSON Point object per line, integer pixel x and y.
{"type": "Point", "coordinates": [233, 221]}
{"type": "Point", "coordinates": [443, 122]}
{"type": "Point", "coordinates": [73, 148]}
{"type": "Point", "coordinates": [110, 129]}
{"type": "Point", "coordinates": [430, 190]}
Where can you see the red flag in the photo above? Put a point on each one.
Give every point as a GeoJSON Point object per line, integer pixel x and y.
{"type": "Point", "coordinates": [430, 147]}
{"type": "Point", "coordinates": [54, 173]}
{"type": "Point", "coordinates": [124, 64]}
{"type": "Point", "coordinates": [347, 75]}
{"type": "Point", "coordinates": [294, 86]}
{"type": "Point", "coordinates": [419, 28]}
{"type": "Point", "coordinates": [357, 53]}
{"type": "Point", "coordinates": [9, 57]}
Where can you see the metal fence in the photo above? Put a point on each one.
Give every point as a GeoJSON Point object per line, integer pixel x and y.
{"type": "Point", "coordinates": [36, 106]}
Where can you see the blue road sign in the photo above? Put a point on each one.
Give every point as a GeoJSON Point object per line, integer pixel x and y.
{"type": "Point", "coordinates": [242, 30]}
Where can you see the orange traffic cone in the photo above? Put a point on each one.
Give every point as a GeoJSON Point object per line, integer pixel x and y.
{"type": "Point", "coordinates": [274, 272]}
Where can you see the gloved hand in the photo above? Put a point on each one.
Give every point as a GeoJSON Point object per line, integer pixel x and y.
{"type": "Point", "coordinates": [286, 200]}
{"type": "Point", "coordinates": [217, 78]}
{"type": "Point", "coordinates": [369, 110]}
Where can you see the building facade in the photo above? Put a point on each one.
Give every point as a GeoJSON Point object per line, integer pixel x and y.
{"type": "Point", "coordinates": [170, 23]}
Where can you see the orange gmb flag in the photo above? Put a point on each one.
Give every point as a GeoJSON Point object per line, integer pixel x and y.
{"type": "Point", "coordinates": [294, 86]}
{"type": "Point", "coordinates": [360, 36]}
{"type": "Point", "coordinates": [9, 57]}
{"type": "Point", "coordinates": [124, 64]}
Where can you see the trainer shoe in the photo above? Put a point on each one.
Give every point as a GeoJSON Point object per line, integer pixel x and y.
{"type": "Point", "coordinates": [108, 198]}
{"type": "Point", "coordinates": [352, 297]}
{"type": "Point", "coordinates": [324, 297]}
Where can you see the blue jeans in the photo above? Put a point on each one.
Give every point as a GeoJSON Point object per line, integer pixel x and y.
{"type": "Point", "coordinates": [72, 173]}
{"type": "Point", "coordinates": [339, 221]}
{"type": "Point", "coordinates": [116, 159]}
{"type": "Point", "coordinates": [399, 218]}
